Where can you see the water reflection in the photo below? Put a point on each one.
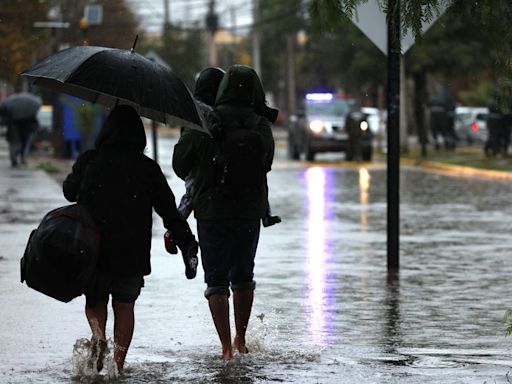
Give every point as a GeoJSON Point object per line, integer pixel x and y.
{"type": "Point", "coordinates": [318, 182]}
{"type": "Point", "coordinates": [364, 192]}
{"type": "Point", "coordinates": [392, 334]}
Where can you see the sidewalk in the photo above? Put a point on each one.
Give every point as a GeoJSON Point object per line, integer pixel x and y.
{"type": "Point", "coordinates": [29, 320]}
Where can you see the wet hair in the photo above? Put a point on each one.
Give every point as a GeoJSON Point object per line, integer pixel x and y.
{"type": "Point", "coordinates": [122, 128]}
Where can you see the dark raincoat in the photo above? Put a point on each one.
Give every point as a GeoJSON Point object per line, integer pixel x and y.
{"type": "Point", "coordinates": [121, 188]}
{"type": "Point", "coordinates": [195, 151]}
{"type": "Point", "coordinates": [241, 85]}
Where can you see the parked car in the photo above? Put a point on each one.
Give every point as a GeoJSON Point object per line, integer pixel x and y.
{"type": "Point", "coordinates": [471, 124]}
{"type": "Point", "coordinates": [321, 127]}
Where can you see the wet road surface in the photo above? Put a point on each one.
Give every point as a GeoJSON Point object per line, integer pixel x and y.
{"type": "Point", "coordinates": [325, 308]}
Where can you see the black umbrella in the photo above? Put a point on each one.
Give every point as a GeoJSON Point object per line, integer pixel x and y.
{"type": "Point", "coordinates": [112, 76]}
{"type": "Point", "coordinates": [21, 106]}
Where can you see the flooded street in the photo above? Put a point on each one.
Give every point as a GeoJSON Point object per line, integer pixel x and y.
{"type": "Point", "coordinates": [325, 309]}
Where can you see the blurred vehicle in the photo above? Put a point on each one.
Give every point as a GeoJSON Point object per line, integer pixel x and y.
{"type": "Point", "coordinates": [45, 118]}
{"type": "Point", "coordinates": [471, 124]}
{"type": "Point", "coordinates": [374, 119]}
{"type": "Point", "coordinates": [321, 127]}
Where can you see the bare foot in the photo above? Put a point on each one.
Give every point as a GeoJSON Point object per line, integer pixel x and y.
{"type": "Point", "coordinates": [239, 344]}
{"type": "Point", "coordinates": [227, 353]}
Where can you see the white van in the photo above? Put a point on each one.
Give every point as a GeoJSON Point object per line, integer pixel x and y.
{"type": "Point", "coordinates": [471, 124]}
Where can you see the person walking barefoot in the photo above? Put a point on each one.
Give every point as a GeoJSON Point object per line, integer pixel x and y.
{"type": "Point", "coordinates": [121, 186]}
{"type": "Point", "coordinates": [228, 213]}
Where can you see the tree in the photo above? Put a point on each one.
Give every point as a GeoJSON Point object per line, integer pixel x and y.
{"type": "Point", "coordinates": [279, 21]}
{"type": "Point", "coordinates": [18, 39]}
{"type": "Point", "coordinates": [118, 28]}
{"type": "Point", "coordinates": [182, 49]}
{"type": "Point", "coordinates": [492, 18]}
{"type": "Point", "coordinates": [342, 59]}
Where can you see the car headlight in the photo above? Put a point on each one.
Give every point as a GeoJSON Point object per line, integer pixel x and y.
{"type": "Point", "coordinates": [316, 126]}
{"type": "Point", "coordinates": [363, 125]}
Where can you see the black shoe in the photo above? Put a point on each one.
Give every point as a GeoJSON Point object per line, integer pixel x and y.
{"type": "Point", "coordinates": [268, 221]}
{"type": "Point", "coordinates": [191, 261]}
{"type": "Point", "coordinates": [190, 266]}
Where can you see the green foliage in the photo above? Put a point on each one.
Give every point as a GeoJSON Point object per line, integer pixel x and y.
{"type": "Point", "coordinates": [182, 49]}
{"type": "Point", "coordinates": [480, 94]}
{"type": "Point", "coordinates": [281, 18]}
{"type": "Point", "coordinates": [473, 39]}
{"type": "Point", "coordinates": [326, 14]}
{"type": "Point", "coordinates": [49, 167]}
{"type": "Point", "coordinates": [86, 118]}
{"type": "Point", "coordinates": [18, 40]}
{"type": "Point", "coordinates": [341, 59]}
{"type": "Point", "coordinates": [507, 319]}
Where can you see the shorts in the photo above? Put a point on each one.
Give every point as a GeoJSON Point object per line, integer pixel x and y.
{"type": "Point", "coordinates": [228, 248]}
{"type": "Point", "coordinates": [124, 289]}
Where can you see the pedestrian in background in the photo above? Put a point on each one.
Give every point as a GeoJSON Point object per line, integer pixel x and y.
{"type": "Point", "coordinates": [120, 186]}
{"type": "Point", "coordinates": [494, 128]}
{"type": "Point", "coordinates": [228, 214]}
{"type": "Point", "coordinates": [19, 136]}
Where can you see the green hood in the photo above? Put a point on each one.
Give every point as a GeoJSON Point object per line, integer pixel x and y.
{"type": "Point", "coordinates": [242, 86]}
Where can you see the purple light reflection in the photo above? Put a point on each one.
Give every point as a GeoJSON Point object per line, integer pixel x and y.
{"type": "Point", "coordinates": [318, 181]}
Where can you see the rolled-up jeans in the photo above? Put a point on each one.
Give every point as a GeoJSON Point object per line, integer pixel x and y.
{"type": "Point", "coordinates": [228, 248]}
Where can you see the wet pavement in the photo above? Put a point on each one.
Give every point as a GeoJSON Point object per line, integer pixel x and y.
{"type": "Point", "coordinates": [325, 309]}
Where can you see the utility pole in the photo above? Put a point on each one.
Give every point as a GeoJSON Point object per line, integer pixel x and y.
{"type": "Point", "coordinates": [256, 51]}
{"type": "Point", "coordinates": [212, 24]}
{"type": "Point", "coordinates": [393, 156]}
{"type": "Point", "coordinates": [154, 124]}
{"type": "Point", "coordinates": [404, 141]}
{"type": "Point", "coordinates": [232, 55]}
{"type": "Point", "coordinates": [290, 73]}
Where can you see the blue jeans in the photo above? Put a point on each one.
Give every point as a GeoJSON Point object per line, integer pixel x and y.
{"type": "Point", "coordinates": [228, 248]}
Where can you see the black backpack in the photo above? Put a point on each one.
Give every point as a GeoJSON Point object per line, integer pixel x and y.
{"type": "Point", "coordinates": [240, 156]}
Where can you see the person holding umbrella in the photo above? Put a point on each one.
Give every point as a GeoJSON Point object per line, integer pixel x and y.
{"type": "Point", "coordinates": [120, 186]}
{"type": "Point", "coordinates": [19, 114]}
{"type": "Point", "coordinates": [130, 184]}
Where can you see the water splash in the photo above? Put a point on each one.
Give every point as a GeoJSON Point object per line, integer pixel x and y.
{"type": "Point", "coordinates": [84, 365]}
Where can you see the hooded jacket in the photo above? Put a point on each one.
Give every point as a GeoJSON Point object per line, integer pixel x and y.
{"type": "Point", "coordinates": [241, 85]}
{"type": "Point", "coordinates": [120, 186]}
{"type": "Point", "coordinates": [194, 152]}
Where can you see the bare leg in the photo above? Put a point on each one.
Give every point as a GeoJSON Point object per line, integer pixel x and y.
{"type": "Point", "coordinates": [97, 318]}
{"type": "Point", "coordinates": [242, 302]}
{"type": "Point", "coordinates": [124, 322]}
{"type": "Point", "coordinates": [219, 308]}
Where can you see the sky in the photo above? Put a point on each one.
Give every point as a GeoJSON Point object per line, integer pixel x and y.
{"type": "Point", "coordinates": [187, 12]}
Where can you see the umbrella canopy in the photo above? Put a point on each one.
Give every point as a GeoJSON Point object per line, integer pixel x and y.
{"type": "Point", "coordinates": [21, 106]}
{"type": "Point", "coordinates": [113, 77]}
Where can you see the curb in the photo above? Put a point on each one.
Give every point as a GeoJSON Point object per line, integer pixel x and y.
{"type": "Point", "coordinates": [458, 170]}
